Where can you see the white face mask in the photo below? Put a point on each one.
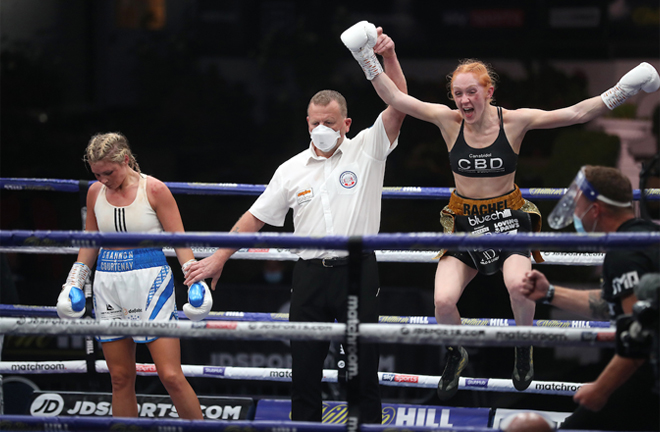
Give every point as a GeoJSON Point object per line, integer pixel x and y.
{"type": "Point", "coordinates": [324, 138]}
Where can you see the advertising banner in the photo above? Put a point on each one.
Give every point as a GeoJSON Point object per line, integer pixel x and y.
{"type": "Point", "coordinates": [393, 414]}
{"type": "Point", "coordinates": [51, 404]}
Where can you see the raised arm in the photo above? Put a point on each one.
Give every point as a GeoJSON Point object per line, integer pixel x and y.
{"type": "Point", "coordinates": [642, 77]}
{"type": "Point", "coordinates": [361, 39]}
{"type": "Point", "coordinates": [392, 118]}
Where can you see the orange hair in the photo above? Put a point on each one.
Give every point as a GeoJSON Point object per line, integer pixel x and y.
{"type": "Point", "coordinates": [484, 73]}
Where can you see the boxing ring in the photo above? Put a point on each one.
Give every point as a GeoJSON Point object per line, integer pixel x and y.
{"type": "Point", "coordinates": [412, 247]}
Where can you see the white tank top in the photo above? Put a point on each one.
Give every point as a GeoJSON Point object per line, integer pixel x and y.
{"type": "Point", "coordinates": [138, 216]}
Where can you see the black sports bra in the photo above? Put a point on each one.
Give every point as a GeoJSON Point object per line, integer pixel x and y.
{"type": "Point", "coordinates": [496, 160]}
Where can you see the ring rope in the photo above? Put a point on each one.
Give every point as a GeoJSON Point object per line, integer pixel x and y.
{"type": "Point", "coordinates": [414, 192]}
{"type": "Point", "coordinates": [391, 333]}
{"type": "Point", "coordinates": [274, 254]}
{"type": "Point", "coordinates": [104, 424]}
{"type": "Point", "coordinates": [418, 335]}
{"type": "Point", "coordinates": [390, 379]}
{"type": "Point", "coordinates": [51, 312]}
{"type": "Point", "coordinates": [460, 241]}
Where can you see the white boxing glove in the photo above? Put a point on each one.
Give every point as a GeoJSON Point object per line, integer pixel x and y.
{"type": "Point", "coordinates": [71, 301]}
{"type": "Point", "coordinates": [199, 303]}
{"type": "Point", "coordinates": [360, 40]}
{"type": "Point", "coordinates": [644, 77]}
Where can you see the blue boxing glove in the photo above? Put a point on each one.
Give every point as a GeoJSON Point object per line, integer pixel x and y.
{"type": "Point", "coordinates": [71, 301]}
{"type": "Point", "coordinates": [199, 301]}
{"type": "Point", "coordinates": [196, 294]}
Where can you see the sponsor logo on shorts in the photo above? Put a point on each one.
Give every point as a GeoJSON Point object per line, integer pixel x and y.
{"type": "Point", "coordinates": [132, 311]}
{"type": "Point", "coordinates": [476, 382]}
{"type": "Point", "coordinates": [348, 179]}
{"type": "Point", "coordinates": [488, 256]}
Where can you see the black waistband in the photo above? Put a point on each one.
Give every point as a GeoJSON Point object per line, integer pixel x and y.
{"type": "Point", "coordinates": [339, 261]}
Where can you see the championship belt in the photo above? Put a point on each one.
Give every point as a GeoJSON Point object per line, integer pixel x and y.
{"type": "Point", "coordinates": [506, 221]}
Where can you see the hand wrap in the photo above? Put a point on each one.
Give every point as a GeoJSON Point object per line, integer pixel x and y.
{"type": "Point", "coordinates": [71, 301]}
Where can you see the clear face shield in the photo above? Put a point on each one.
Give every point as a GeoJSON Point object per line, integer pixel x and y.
{"type": "Point", "coordinates": [562, 215]}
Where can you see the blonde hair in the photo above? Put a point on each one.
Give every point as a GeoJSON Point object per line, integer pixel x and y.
{"type": "Point", "coordinates": [484, 73]}
{"type": "Point", "coordinates": [112, 147]}
{"type": "Point", "coordinates": [324, 97]}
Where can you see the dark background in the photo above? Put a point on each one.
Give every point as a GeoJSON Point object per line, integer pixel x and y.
{"type": "Point", "coordinates": [216, 91]}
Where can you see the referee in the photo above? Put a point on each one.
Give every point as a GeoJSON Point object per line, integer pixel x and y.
{"type": "Point", "coordinates": [334, 188]}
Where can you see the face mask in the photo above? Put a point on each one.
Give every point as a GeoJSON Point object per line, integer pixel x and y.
{"type": "Point", "coordinates": [578, 224]}
{"type": "Point", "coordinates": [324, 138]}
{"type": "Point", "coordinates": [577, 221]}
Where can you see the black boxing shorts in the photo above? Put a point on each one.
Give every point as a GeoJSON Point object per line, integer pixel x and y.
{"type": "Point", "coordinates": [488, 216]}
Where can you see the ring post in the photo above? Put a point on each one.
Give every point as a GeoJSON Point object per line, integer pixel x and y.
{"type": "Point", "coordinates": [352, 334]}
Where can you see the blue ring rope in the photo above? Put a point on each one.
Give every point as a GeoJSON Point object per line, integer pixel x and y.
{"type": "Point", "coordinates": [93, 424]}
{"type": "Point", "coordinates": [406, 192]}
{"type": "Point", "coordinates": [8, 310]}
{"type": "Point", "coordinates": [400, 241]}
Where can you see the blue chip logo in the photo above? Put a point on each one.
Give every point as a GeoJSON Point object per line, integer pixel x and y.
{"type": "Point", "coordinates": [348, 179]}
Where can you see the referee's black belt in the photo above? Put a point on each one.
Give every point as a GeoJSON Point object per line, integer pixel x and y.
{"type": "Point", "coordinates": [337, 261]}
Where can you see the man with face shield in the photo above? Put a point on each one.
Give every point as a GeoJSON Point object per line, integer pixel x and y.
{"type": "Point", "coordinates": [622, 398]}
{"type": "Point", "coordinates": [334, 188]}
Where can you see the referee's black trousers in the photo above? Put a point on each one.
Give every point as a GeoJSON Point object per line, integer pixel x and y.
{"type": "Point", "coordinates": [319, 294]}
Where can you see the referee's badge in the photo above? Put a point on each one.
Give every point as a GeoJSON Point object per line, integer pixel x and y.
{"type": "Point", "coordinates": [348, 179]}
{"type": "Point", "coordinates": [305, 195]}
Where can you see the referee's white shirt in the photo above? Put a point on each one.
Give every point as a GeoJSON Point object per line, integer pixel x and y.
{"type": "Point", "coordinates": [340, 195]}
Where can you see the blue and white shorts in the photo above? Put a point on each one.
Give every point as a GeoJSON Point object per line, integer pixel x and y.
{"type": "Point", "coordinates": [136, 285]}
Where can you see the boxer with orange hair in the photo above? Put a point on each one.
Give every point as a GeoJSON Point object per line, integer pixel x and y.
{"type": "Point", "coordinates": [484, 141]}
